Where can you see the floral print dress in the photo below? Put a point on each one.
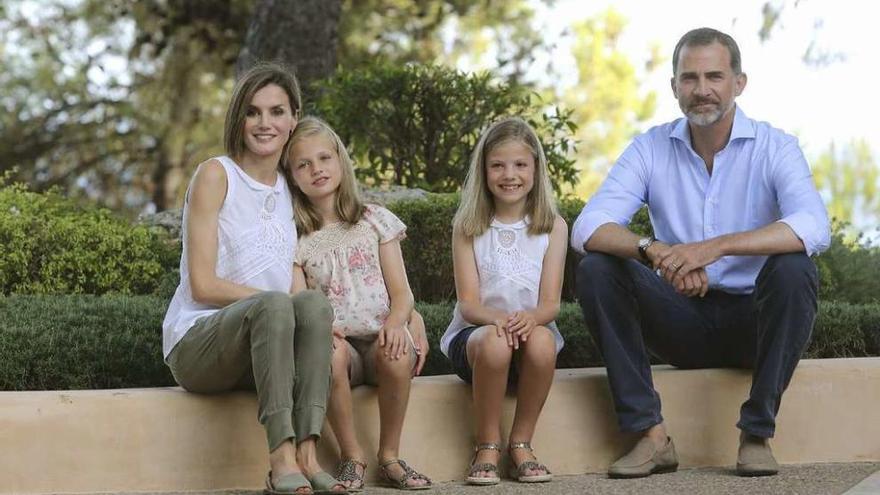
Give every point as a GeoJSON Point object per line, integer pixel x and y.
{"type": "Point", "coordinates": [342, 261]}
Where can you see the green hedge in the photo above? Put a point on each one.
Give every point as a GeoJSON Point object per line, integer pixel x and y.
{"type": "Point", "coordinates": [51, 245]}
{"type": "Point", "coordinates": [427, 250]}
{"type": "Point", "coordinates": [114, 341]}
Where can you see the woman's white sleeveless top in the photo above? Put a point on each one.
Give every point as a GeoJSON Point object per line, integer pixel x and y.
{"type": "Point", "coordinates": [256, 242]}
{"type": "Point", "coordinates": [509, 263]}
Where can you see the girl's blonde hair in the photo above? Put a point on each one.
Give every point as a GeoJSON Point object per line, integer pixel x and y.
{"type": "Point", "coordinates": [349, 206]}
{"type": "Point", "coordinates": [477, 204]}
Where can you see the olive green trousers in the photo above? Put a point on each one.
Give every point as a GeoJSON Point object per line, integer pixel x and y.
{"type": "Point", "coordinates": [273, 342]}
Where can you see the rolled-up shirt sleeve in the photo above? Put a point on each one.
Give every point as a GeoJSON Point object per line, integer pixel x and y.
{"type": "Point", "coordinates": [800, 205]}
{"type": "Point", "coordinates": [622, 193]}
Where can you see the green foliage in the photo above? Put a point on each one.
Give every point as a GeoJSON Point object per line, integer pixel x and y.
{"type": "Point", "coordinates": [845, 330]}
{"type": "Point", "coordinates": [427, 250]}
{"type": "Point", "coordinates": [849, 271]}
{"type": "Point", "coordinates": [416, 125]}
{"type": "Point", "coordinates": [81, 342]}
{"type": "Point", "coordinates": [112, 341]}
{"type": "Point", "coordinates": [500, 35]}
{"type": "Point", "coordinates": [50, 246]}
{"type": "Point", "coordinates": [848, 175]}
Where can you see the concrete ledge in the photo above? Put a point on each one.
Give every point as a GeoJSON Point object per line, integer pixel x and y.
{"type": "Point", "coordinates": [165, 439]}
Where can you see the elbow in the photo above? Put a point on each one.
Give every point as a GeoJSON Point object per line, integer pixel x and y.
{"type": "Point", "coordinates": [200, 291]}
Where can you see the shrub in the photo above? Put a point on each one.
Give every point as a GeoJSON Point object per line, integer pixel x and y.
{"type": "Point", "coordinates": [427, 251]}
{"type": "Point", "coordinates": [416, 125]}
{"type": "Point", "coordinates": [51, 245]}
{"type": "Point", "coordinates": [114, 341]}
{"type": "Point", "coordinates": [850, 269]}
{"type": "Point", "coordinates": [81, 342]}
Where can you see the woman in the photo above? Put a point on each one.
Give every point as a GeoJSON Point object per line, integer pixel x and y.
{"type": "Point", "coordinates": [232, 322]}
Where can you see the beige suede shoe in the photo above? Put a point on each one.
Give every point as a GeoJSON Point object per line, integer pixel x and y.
{"type": "Point", "coordinates": [755, 457]}
{"type": "Point", "coordinates": [645, 459]}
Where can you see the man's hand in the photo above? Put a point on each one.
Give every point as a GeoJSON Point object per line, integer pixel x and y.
{"type": "Point", "coordinates": [684, 265]}
{"type": "Point", "coordinates": [681, 259]}
{"type": "Point", "coordinates": [695, 283]}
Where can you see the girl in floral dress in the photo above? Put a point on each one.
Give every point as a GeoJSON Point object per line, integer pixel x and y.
{"type": "Point", "coordinates": [351, 252]}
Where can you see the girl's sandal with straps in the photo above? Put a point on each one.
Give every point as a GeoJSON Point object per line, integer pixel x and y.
{"type": "Point", "coordinates": [518, 472]}
{"type": "Point", "coordinates": [488, 467]}
{"type": "Point", "coordinates": [347, 470]}
{"type": "Point", "coordinates": [402, 482]}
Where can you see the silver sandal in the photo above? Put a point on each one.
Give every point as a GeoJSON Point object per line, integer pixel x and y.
{"type": "Point", "coordinates": [472, 478]}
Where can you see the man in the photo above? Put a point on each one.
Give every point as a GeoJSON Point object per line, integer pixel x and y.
{"type": "Point", "coordinates": [736, 217]}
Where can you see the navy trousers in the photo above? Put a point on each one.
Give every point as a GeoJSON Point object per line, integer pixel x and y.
{"type": "Point", "coordinates": [630, 310]}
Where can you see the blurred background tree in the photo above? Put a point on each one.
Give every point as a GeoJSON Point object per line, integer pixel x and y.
{"type": "Point", "coordinates": [118, 101]}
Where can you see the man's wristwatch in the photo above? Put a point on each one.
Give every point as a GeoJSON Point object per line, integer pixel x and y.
{"type": "Point", "coordinates": [644, 244]}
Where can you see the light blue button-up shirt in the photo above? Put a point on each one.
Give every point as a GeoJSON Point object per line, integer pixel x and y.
{"type": "Point", "coordinates": [760, 177]}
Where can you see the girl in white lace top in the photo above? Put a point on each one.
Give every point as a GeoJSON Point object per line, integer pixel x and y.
{"type": "Point", "coordinates": [351, 253]}
{"type": "Point", "coordinates": [508, 248]}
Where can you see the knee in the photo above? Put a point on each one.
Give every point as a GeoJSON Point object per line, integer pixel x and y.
{"type": "Point", "coordinates": [492, 351]}
{"type": "Point", "coordinates": [274, 301]}
{"type": "Point", "coordinates": [385, 365]}
{"type": "Point", "coordinates": [789, 272]}
{"type": "Point", "coordinates": [540, 348]}
{"type": "Point", "coordinates": [594, 270]}
{"type": "Point", "coordinates": [276, 313]}
{"type": "Point", "coordinates": [313, 303]}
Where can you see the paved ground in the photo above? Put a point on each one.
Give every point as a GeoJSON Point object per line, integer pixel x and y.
{"type": "Point", "coordinates": [808, 479]}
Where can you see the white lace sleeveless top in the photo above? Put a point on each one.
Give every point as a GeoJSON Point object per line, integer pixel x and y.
{"type": "Point", "coordinates": [509, 262]}
{"type": "Point", "coordinates": [256, 242]}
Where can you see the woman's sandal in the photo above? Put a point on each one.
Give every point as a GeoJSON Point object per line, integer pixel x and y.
{"type": "Point", "coordinates": [518, 472]}
{"type": "Point", "coordinates": [409, 474]}
{"type": "Point", "coordinates": [346, 470]}
{"type": "Point", "coordinates": [287, 485]}
{"type": "Point", "coordinates": [472, 478]}
{"type": "Point", "coordinates": [323, 483]}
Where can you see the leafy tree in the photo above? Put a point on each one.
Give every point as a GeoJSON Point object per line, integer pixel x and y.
{"type": "Point", "coordinates": [606, 101]}
{"type": "Point", "coordinates": [442, 31]}
{"type": "Point", "coordinates": [416, 125]}
{"type": "Point", "coordinates": [849, 176]}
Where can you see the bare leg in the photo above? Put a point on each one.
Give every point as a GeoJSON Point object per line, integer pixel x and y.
{"type": "Point", "coordinates": [394, 377]}
{"type": "Point", "coordinates": [537, 361]}
{"type": "Point", "coordinates": [340, 412]}
{"type": "Point", "coordinates": [489, 357]}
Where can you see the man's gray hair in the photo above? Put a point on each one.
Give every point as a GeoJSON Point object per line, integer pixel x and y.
{"type": "Point", "coordinates": [706, 36]}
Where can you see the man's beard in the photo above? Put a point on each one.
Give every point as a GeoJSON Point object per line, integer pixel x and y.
{"type": "Point", "coordinates": [706, 118]}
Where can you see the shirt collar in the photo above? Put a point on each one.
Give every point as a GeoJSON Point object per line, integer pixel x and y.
{"type": "Point", "coordinates": [259, 186]}
{"type": "Point", "coordinates": [743, 128]}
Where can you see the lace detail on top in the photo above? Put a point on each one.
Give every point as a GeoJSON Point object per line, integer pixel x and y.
{"type": "Point", "coordinates": [256, 239]}
{"type": "Point", "coordinates": [509, 263]}
{"type": "Point", "coordinates": [342, 261]}
{"type": "Point", "coordinates": [264, 246]}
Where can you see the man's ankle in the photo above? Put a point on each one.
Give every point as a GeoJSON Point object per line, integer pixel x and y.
{"type": "Point", "coordinates": [657, 434]}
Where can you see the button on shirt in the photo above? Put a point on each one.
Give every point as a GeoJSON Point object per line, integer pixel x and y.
{"type": "Point", "coordinates": [760, 177]}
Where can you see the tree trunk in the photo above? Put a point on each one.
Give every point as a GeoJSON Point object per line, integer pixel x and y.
{"type": "Point", "coordinates": [300, 33]}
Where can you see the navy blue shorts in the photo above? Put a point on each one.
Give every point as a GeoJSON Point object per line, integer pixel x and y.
{"type": "Point", "coordinates": [458, 357]}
